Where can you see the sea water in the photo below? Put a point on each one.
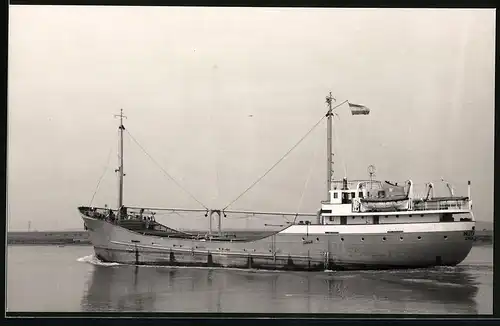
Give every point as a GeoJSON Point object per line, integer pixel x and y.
{"type": "Point", "coordinates": [71, 278]}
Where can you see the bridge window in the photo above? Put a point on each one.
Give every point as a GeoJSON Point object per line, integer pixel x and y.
{"type": "Point", "coordinates": [335, 195]}
{"type": "Point", "coordinates": [331, 218]}
{"type": "Point", "coordinates": [345, 198]}
{"type": "Point", "coordinates": [360, 194]}
{"type": "Point", "coordinates": [353, 194]}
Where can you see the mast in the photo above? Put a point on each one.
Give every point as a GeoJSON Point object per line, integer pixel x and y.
{"type": "Point", "coordinates": [329, 155]}
{"type": "Point", "coordinates": [120, 168]}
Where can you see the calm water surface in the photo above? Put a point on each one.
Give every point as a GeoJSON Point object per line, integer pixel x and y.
{"type": "Point", "coordinates": [53, 278]}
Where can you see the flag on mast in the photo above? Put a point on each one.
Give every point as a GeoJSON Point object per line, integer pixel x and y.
{"type": "Point", "coordinates": [357, 109]}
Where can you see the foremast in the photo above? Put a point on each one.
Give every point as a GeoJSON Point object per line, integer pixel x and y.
{"type": "Point", "coordinates": [120, 167]}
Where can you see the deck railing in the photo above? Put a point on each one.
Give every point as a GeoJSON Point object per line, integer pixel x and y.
{"type": "Point", "coordinates": [459, 204]}
{"type": "Point", "coordinates": [441, 205]}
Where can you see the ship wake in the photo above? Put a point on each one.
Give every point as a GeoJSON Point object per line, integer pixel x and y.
{"type": "Point", "coordinates": [92, 259]}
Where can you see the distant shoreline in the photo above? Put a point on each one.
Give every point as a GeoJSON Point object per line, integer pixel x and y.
{"type": "Point", "coordinates": [82, 238]}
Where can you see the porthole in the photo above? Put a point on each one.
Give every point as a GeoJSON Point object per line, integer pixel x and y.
{"type": "Point", "coordinates": [409, 215]}
{"type": "Point", "coordinates": [341, 239]}
{"type": "Point", "coordinates": [419, 237]}
{"type": "Point", "coordinates": [445, 237]}
{"type": "Point", "coordinates": [397, 216]}
{"type": "Point", "coordinates": [400, 238]}
{"type": "Point", "coordinates": [317, 239]}
{"type": "Point", "coordinates": [303, 239]}
{"type": "Point", "coordinates": [353, 217]}
{"type": "Point", "coordinates": [362, 239]}
{"type": "Point", "coordinates": [362, 217]}
{"type": "Point", "coordinates": [383, 239]}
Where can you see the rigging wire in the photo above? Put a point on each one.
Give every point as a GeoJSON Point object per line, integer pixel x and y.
{"type": "Point", "coordinates": [311, 168]}
{"type": "Point", "coordinates": [102, 176]}
{"type": "Point", "coordinates": [163, 170]}
{"type": "Point", "coordinates": [275, 164]}
{"type": "Point", "coordinates": [338, 147]}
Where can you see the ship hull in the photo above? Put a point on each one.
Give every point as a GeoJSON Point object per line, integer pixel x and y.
{"type": "Point", "coordinates": [446, 245]}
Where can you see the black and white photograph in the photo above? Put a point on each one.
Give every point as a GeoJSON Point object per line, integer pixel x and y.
{"type": "Point", "coordinates": [271, 160]}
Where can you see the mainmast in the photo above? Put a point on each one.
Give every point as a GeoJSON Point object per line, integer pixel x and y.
{"type": "Point", "coordinates": [120, 168]}
{"type": "Point", "coordinates": [356, 109]}
{"type": "Point", "coordinates": [329, 154]}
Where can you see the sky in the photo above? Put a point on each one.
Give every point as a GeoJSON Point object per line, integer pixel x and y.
{"type": "Point", "coordinates": [216, 96]}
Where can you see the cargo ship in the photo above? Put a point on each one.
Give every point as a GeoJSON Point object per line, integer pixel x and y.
{"type": "Point", "coordinates": [362, 224]}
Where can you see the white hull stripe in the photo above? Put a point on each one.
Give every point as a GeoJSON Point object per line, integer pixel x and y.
{"type": "Point", "coordinates": [379, 228]}
{"type": "Point", "coordinates": [401, 213]}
